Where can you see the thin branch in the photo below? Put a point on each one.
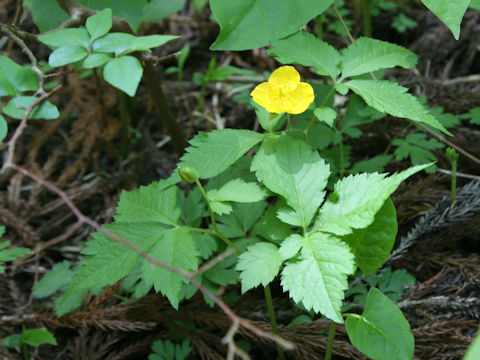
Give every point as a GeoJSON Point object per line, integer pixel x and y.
{"type": "Point", "coordinates": [11, 34]}
{"type": "Point", "coordinates": [21, 127]}
{"type": "Point", "coordinates": [210, 264]}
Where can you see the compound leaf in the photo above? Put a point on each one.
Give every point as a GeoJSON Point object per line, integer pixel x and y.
{"type": "Point", "coordinates": [319, 278]}
{"type": "Point", "coordinates": [290, 168]}
{"type": "Point", "coordinates": [108, 261]}
{"type": "Point", "coordinates": [389, 97]}
{"type": "Point", "coordinates": [175, 247]}
{"type": "Point", "coordinates": [315, 52]}
{"type": "Point", "coordinates": [213, 152]}
{"type": "Point", "coordinates": [357, 198]}
{"type": "Point", "coordinates": [382, 331]}
{"type": "Point", "coordinates": [239, 191]}
{"type": "Point", "coordinates": [259, 264]}
{"type": "Point", "coordinates": [152, 203]}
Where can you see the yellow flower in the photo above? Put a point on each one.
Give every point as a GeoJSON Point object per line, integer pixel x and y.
{"type": "Point", "coordinates": [284, 92]}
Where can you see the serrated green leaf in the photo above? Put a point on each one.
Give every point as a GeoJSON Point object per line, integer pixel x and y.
{"type": "Point", "coordinates": [175, 247]}
{"type": "Point", "coordinates": [96, 60]}
{"type": "Point", "coordinates": [357, 198]}
{"type": "Point", "coordinates": [151, 203]}
{"type": "Point", "coordinates": [251, 24]}
{"type": "Point", "coordinates": [314, 52]}
{"type": "Point", "coordinates": [108, 261]}
{"type": "Point", "coordinates": [220, 207]}
{"type": "Point", "coordinates": [291, 246]}
{"type": "Point", "coordinates": [37, 337]}
{"type": "Point", "coordinates": [54, 280]}
{"type": "Point", "coordinates": [66, 55]}
{"type": "Point", "coordinates": [389, 97]}
{"type": "Point", "coordinates": [124, 73]}
{"type": "Point", "coordinates": [67, 302]}
{"type": "Point", "coordinates": [450, 12]}
{"type": "Point", "coordinates": [258, 265]}
{"type": "Point", "coordinates": [16, 108]}
{"type": "Point", "coordinates": [3, 130]}
{"type": "Point", "coordinates": [99, 24]}
{"type": "Point", "coordinates": [326, 115]}
{"type": "Point", "coordinates": [372, 245]}
{"type": "Point", "coordinates": [239, 191]}
{"type": "Point", "coordinates": [56, 39]}
{"type": "Point", "coordinates": [367, 55]}
{"type": "Point", "coordinates": [205, 244]}
{"type": "Point", "coordinates": [12, 253]}
{"type": "Point", "coordinates": [289, 167]}
{"type": "Point", "coordinates": [319, 278]}
{"type": "Point", "coordinates": [14, 77]}
{"type": "Point", "coordinates": [2, 232]}
{"type": "Point", "coordinates": [382, 331]}
{"type": "Point", "coordinates": [211, 153]}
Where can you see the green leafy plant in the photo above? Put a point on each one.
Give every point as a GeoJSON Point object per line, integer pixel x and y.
{"type": "Point", "coordinates": [166, 350]}
{"type": "Point", "coordinates": [96, 47]}
{"type": "Point", "coordinates": [32, 337]}
{"type": "Point", "coordinates": [260, 205]}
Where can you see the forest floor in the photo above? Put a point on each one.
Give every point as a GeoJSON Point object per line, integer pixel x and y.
{"type": "Point", "coordinates": [92, 155]}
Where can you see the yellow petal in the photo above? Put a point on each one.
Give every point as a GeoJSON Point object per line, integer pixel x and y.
{"type": "Point", "coordinates": [261, 95]}
{"type": "Point", "coordinates": [285, 78]}
{"type": "Point", "coordinates": [299, 99]}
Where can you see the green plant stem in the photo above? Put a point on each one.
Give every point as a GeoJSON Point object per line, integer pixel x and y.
{"type": "Point", "coordinates": [226, 240]}
{"type": "Point", "coordinates": [273, 321]}
{"type": "Point", "coordinates": [24, 351]}
{"type": "Point", "coordinates": [367, 18]}
{"type": "Point", "coordinates": [320, 21]}
{"type": "Point", "coordinates": [342, 163]}
{"type": "Point", "coordinates": [454, 180]}
{"type": "Point", "coordinates": [288, 122]}
{"type": "Point", "coordinates": [331, 339]}
{"type": "Point", "coordinates": [324, 102]}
